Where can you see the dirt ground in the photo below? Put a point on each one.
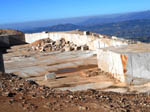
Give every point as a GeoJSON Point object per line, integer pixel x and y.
{"type": "Point", "coordinates": [19, 95]}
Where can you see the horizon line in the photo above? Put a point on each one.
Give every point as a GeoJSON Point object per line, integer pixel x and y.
{"type": "Point", "coordinates": [74, 17]}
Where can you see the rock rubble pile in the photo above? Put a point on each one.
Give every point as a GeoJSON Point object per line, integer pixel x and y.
{"type": "Point", "coordinates": [58, 45]}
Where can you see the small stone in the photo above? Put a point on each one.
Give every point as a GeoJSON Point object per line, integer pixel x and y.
{"type": "Point", "coordinates": [19, 89]}
{"type": "Point", "coordinates": [67, 48]}
{"type": "Point", "coordinates": [43, 96]}
{"type": "Point", "coordinates": [24, 102]}
{"type": "Point", "coordinates": [62, 50]}
{"type": "Point", "coordinates": [33, 96]}
{"type": "Point", "coordinates": [32, 82]}
{"type": "Point", "coordinates": [1, 86]}
{"type": "Point", "coordinates": [21, 98]}
{"type": "Point", "coordinates": [85, 47]}
{"type": "Point", "coordinates": [82, 108]}
{"type": "Point", "coordinates": [71, 96]}
{"type": "Point", "coordinates": [71, 48]}
{"type": "Point", "coordinates": [11, 101]}
{"type": "Point", "coordinates": [58, 42]}
{"type": "Point", "coordinates": [78, 48]}
{"type": "Point", "coordinates": [48, 105]}
{"type": "Point", "coordinates": [10, 94]}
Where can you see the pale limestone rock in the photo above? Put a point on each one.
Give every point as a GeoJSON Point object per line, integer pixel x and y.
{"type": "Point", "coordinates": [58, 42]}
{"type": "Point", "coordinates": [67, 48]}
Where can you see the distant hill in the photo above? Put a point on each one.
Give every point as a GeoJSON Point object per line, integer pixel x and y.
{"type": "Point", "coordinates": [116, 18]}
{"type": "Point", "coordinates": [84, 21]}
{"type": "Point", "coordinates": [133, 29]}
{"type": "Point", "coordinates": [60, 27]}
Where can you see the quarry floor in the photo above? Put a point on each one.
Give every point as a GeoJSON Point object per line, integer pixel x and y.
{"type": "Point", "coordinates": [73, 90]}
{"type": "Point", "coordinates": [71, 70]}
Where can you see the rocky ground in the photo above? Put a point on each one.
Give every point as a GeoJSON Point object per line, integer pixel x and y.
{"type": "Point", "coordinates": [18, 95]}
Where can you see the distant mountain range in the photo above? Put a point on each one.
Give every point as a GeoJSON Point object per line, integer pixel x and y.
{"type": "Point", "coordinates": [84, 21]}
{"type": "Point", "coordinates": [135, 25]}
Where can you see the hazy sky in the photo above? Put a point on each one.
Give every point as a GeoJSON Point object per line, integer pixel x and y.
{"type": "Point", "coordinates": [27, 10]}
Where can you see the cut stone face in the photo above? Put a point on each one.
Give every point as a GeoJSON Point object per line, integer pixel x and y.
{"type": "Point", "coordinates": [1, 63]}
{"type": "Point", "coordinates": [4, 41]}
{"type": "Point", "coordinates": [92, 42]}
{"type": "Point", "coordinates": [129, 64]}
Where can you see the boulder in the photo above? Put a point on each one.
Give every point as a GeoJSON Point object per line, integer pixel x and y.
{"type": "Point", "coordinates": [63, 41]}
{"type": "Point", "coordinates": [85, 47]}
{"type": "Point", "coordinates": [67, 48]}
{"type": "Point", "coordinates": [48, 45]}
{"type": "Point", "coordinates": [78, 47]}
{"type": "Point", "coordinates": [58, 42]}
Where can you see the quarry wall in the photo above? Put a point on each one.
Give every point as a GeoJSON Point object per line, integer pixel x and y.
{"type": "Point", "coordinates": [4, 44]}
{"type": "Point", "coordinates": [1, 62]}
{"type": "Point", "coordinates": [92, 41]}
{"type": "Point", "coordinates": [16, 39]}
{"type": "Point", "coordinates": [8, 40]}
{"type": "Point", "coordinates": [4, 41]}
{"type": "Point", "coordinates": [29, 38]}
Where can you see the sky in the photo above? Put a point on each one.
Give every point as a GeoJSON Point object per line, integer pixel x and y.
{"type": "Point", "coordinates": [13, 11]}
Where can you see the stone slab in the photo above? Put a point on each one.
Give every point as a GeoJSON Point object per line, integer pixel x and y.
{"type": "Point", "coordinates": [129, 64]}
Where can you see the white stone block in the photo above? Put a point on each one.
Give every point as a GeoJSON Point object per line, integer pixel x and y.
{"type": "Point", "coordinates": [50, 76]}
{"type": "Point", "coordinates": [130, 64]}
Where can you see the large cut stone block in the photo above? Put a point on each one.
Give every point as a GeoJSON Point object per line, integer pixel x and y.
{"type": "Point", "coordinates": [129, 64]}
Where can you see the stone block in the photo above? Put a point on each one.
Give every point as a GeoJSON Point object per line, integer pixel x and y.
{"type": "Point", "coordinates": [50, 76]}
{"type": "Point", "coordinates": [129, 64]}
